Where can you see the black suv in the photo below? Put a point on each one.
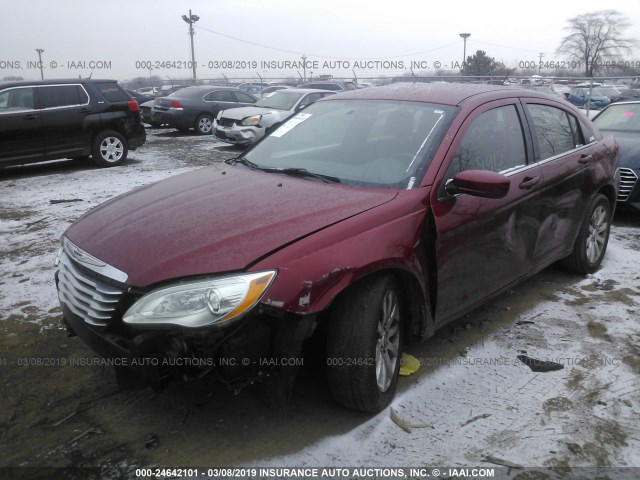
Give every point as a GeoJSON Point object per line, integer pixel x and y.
{"type": "Point", "coordinates": [53, 119]}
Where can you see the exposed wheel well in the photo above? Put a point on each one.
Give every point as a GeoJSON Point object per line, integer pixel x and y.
{"type": "Point", "coordinates": [419, 323]}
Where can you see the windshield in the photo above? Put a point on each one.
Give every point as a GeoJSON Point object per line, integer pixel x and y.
{"type": "Point", "coordinates": [621, 118]}
{"type": "Point", "coordinates": [369, 143]}
{"type": "Point", "coordinates": [279, 100]}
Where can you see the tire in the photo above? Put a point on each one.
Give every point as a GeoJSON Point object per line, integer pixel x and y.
{"type": "Point", "coordinates": [364, 345]}
{"type": "Point", "coordinates": [593, 237]}
{"type": "Point", "coordinates": [203, 124]}
{"type": "Point", "coordinates": [109, 149]}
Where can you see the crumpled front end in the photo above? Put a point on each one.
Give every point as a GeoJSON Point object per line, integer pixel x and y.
{"type": "Point", "coordinates": [162, 334]}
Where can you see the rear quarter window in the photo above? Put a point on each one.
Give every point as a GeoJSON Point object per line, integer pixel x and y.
{"type": "Point", "coordinates": [112, 92]}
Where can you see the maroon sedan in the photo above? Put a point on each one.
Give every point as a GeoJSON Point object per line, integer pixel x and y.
{"type": "Point", "coordinates": [371, 219]}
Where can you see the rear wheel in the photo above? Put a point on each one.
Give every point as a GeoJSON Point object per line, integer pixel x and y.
{"type": "Point", "coordinates": [203, 124]}
{"type": "Point", "coordinates": [364, 345]}
{"type": "Point", "coordinates": [109, 149]}
{"type": "Point", "coordinates": [592, 240]}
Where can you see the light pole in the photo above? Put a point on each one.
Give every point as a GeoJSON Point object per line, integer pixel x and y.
{"type": "Point", "coordinates": [304, 68]}
{"type": "Point", "coordinates": [40, 52]}
{"type": "Point", "coordinates": [191, 19]}
{"type": "Point", "coordinates": [464, 51]}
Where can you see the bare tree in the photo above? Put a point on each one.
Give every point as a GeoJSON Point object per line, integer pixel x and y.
{"type": "Point", "coordinates": [596, 39]}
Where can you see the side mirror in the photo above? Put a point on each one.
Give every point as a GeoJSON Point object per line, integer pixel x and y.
{"type": "Point", "coordinates": [479, 183]}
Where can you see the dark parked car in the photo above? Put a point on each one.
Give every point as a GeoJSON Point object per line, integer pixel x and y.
{"type": "Point", "coordinates": [196, 107]}
{"type": "Point", "coordinates": [141, 97]}
{"type": "Point", "coordinates": [622, 120]}
{"type": "Point", "coordinates": [54, 119]}
{"type": "Point", "coordinates": [370, 219]}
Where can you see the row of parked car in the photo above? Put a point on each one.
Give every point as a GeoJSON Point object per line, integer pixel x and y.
{"type": "Point", "coordinates": [97, 118]}
{"type": "Point", "coordinates": [199, 107]}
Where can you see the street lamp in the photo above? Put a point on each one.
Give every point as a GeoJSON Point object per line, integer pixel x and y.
{"type": "Point", "coordinates": [464, 51]}
{"type": "Point", "coordinates": [304, 68]}
{"type": "Point", "coordinates": [191, 19]}
{"type": "Point", "coordinates": [40, 52]}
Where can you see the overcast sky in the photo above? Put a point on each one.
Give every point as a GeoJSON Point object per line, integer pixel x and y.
{"type": "Point", "coordinates": [114, 39]}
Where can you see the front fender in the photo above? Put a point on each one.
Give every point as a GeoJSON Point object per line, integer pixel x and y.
{"type": "Point", "coordinates": [314, 270]}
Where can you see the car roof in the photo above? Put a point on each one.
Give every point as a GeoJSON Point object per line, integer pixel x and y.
{"type": "Point", "coordinates": [195, 90]}
{"type": "Point", "coordinates": [443, 93]}
{"type": "Point", "coordinates": [304, 90]}
{"type": "Point", "coordinates": [56, 81]}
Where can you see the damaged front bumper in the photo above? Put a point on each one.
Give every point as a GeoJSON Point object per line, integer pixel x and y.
{"type": "Point", "coordinates": [249, 351]}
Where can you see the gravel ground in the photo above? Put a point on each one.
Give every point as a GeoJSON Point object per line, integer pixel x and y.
{"type": "Point", "coordinates": [473, 402]}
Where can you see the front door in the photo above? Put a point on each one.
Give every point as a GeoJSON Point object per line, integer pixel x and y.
{"type": "Point", "coordinates": [485, 244]}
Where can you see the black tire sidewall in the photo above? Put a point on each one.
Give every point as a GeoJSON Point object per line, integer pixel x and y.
{"type": "Point", "coordinates": [351, 346]}
{"type": "Point", "coordinates": [582, 262]}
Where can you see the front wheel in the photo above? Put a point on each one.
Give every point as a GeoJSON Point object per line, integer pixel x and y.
{"type": "Point", "coordinates": [593, 237]}
{"type": "Point", "coordinates": [364, 345]}
{"type": "Point", "coordinates": [203, 124]}
{"type": "Point", "coordinates": [109, 149]}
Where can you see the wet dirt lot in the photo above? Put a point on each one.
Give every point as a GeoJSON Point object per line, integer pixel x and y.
{"type": "Point", "coordinates": [473, 402]}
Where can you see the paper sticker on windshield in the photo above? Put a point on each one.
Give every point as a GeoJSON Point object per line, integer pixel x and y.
{"type": "Point", "coordinates": [291, 123]}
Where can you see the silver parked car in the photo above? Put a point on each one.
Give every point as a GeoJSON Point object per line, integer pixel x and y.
{"type": "Point", "coordinates": [246, 125]}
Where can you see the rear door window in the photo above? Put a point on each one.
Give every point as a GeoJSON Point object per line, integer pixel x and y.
{"type": "Point", "coordinates": [220, 96]}
{"type": "Point", "coordinates": [555, 131]}
{"type": "Point", "coordinates": [53, 96]}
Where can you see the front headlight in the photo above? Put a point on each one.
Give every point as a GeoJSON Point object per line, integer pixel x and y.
{"type": "Point", "coordinates": [219, 116]}
{"type": "Point", "coordinates": [252, 121]}
{"type": "Point", "coordinates": [200, 303]}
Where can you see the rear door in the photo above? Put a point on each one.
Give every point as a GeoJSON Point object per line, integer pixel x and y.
{"type": "Point", "coordinates": [220, 100]}
{"type": "Point", "coordinates": [483, 245]}
{"type": "Point", "coordinates": [20, 136]}
{"type": "Point", "coordinates": [64, 108]}
{"type": "Point", "coordinates": [568, 164]}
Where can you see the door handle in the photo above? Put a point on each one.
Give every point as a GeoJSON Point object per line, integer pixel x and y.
{"type": "Point", "coordinates": [31, 116]}
{"type": "Point", "coordinates": [529, 182]}
{"type": "Point", "coordinates": [584, 159]}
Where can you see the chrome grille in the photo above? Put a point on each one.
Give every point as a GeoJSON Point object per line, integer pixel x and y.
{"type": "Point", "coordinates": [628, 179]}
{"type": "Point", "coordinates": [83, 292]}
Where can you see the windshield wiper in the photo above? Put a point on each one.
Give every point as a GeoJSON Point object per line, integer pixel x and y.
{"type": "Point", "coordinates": [295, 172]}
{"type": "Point", "coordinates": [303, 172]}
{"type": "Point", "coordinates": [243, 161]}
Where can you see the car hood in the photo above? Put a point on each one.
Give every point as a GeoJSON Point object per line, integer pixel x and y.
{"type": "Point", "coordinates": [244, 112]}
{"type": "Point", "coordinates": [629, 148]}
{"type": "Point", "coordinates": [212, 220]}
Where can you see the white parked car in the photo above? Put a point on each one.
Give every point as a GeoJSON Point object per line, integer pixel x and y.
{"type": "Point", "coordinates": [246, 125]}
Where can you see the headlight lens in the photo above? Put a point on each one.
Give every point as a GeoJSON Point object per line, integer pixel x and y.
{"type": "Point", "coordinates": [252, 121]}
{"type": "Point", "coordinates": [200, 303]}
{"type": "Point", "coordinates": [219, 116]}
